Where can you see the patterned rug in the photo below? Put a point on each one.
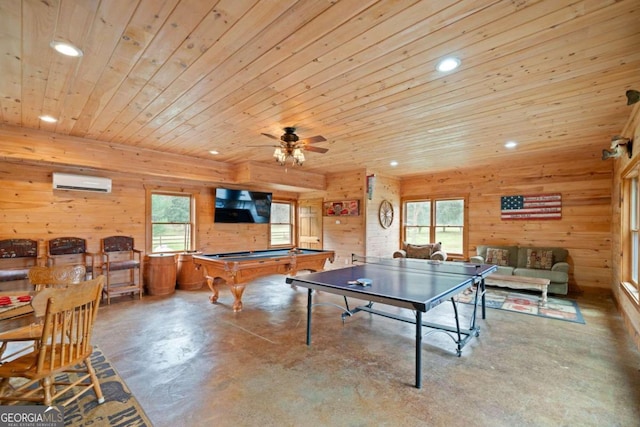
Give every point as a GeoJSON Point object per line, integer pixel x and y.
{"type": "Point", "coordinates": [527, 303]}
{"type": "Point", "coordinates": [120, 407]}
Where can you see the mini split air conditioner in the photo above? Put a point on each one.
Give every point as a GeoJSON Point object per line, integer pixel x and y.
{"type": "Point", "coordinates": [65, 181]}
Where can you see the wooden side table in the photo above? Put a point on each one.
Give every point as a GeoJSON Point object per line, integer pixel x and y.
{"type": "Point", "coordinates": [519, 282]}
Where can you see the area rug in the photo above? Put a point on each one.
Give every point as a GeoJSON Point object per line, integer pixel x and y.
{"type": "Point", "coordinates": [527, 303]}
{"type": "Point", "coordinates": [120, 407]}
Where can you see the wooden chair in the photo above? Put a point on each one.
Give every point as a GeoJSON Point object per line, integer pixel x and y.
{"type": "Point", "coordinates": [71, 250]}
{"type": "Point", "coordinates": [64, 346]}
{"type": "Point", "coordinates": [41, 278]}
{"type": "Point", "coordinates": [121, 263]}
{"type": "Point", "coordinates": [16, 257]}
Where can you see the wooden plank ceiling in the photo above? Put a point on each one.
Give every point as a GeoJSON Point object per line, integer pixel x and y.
{"type": "Point", "coordinates": [190, 76]}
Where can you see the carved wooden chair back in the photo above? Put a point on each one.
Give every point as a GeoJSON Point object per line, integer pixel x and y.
{"type": "Point", "coordinates": [57, 276]}
{"type": "Point", "coordinates": [16, 257]}
{"type": "Point", "coordinates": [71, 250]}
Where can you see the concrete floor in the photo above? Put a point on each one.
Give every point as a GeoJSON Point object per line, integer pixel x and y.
{"type": "Point", "coordinates": [191, 363]}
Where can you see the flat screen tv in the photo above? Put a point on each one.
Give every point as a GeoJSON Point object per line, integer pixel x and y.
{"type": "Point", "coordinates": [242, 206]}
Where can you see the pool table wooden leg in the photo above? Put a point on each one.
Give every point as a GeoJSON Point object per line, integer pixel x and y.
{"type": "Point", "coordinates": [213, 285]}
{"type": "Point", "coordinates": [237, 291]}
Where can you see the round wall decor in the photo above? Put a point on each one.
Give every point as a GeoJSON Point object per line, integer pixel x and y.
{"type": "Point", "coordinates": [385, 213]}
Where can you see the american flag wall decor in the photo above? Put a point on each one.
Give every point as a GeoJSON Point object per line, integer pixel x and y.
{"type": "Point", "coordinates": [540, 206]}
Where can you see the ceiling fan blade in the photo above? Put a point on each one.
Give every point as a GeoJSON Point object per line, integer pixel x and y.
{"type": "Point", "coordinates": [263, 145]}
{"type": "Point", "coordinates": [312, 140]}
{"type": "Point", "coordinates": [271, 136]}
{"type": "Point", "coordinates": [316, 149]}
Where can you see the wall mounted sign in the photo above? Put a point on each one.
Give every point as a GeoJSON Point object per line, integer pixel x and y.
{"type": "Point", "coordinates": [343, 208]}
{"type": "Point", "coordinates": [539, 206]}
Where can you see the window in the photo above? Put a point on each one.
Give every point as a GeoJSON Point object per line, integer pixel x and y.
{"type": "Point", "coordinates": [171, 222]}
{"type": "Point", "coordinates": [435, 220]}
{"type": "Point", "coordinates": [631, 215]}
{"type": "Point", "coordinates": [281, 224]}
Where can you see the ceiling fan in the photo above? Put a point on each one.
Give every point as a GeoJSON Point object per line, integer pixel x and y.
{"type": "Point", "coordinates": [292, 146]}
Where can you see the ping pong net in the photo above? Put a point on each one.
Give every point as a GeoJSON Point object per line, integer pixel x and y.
{"type": "Point", "coordinates": [431, 267]}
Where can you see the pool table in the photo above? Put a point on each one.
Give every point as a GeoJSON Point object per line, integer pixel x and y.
{"type": "Point", "coordinates": [236, 269]}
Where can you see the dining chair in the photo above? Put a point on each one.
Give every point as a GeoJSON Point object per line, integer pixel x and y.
{"type": "Point", "coordinates": [41, 278]}
{"type": "Point", "coordinates": [64, 347]}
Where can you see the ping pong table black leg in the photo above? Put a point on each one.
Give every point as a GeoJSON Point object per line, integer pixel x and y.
{"type": "Point", "coordinates": [418, 349]}
{"type": "Point", "coordinates": [309, 304]}
{"type": "Point", "coordinates": [482, 286]}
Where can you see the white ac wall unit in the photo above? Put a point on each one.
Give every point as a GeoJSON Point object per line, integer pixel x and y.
{"type": "Point", "coordinates": [66, 181]}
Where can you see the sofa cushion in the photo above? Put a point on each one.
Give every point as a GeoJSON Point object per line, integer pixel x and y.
{"type": "Point", "coordinates": [513, 252]}
{"type": "Point", "coordinates": [497, 256]}
{"type": "Point", "coordinates": [541, 259]}
{"type": "Point", "coordinates": [559, 255]}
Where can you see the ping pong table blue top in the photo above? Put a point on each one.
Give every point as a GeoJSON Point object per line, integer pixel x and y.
{"type": "Point", "coordinates": [420, 284]}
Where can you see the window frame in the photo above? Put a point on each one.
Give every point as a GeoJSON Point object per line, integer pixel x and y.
{"type": "Point", "coordinates": [432, 221]}
{"type": "Point", "coordinates": [630, 232]}
{"type": "Point", "coordinates": [292, 222]}
{"type": "Point", "coordinates": [163, 191]}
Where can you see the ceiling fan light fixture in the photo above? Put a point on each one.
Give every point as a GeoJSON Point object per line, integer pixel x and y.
{"type": "Point", "coordinates": [280, 155]}
{"type": "Point", "coordinates": [298, 156]}
{"type": "Point", "coordinates": [448, 64]}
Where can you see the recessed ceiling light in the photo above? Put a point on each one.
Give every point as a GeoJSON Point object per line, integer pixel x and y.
{"type": "Point", "coordinates": [48, 119]}
{"type": "Point", "coordinates": [214, 152]}
{"type": "Point", "coordinates": [393, 163]}
{"type": "Point", "coordinates": [66, 48]}
{"type": "Point", "coordinates": [448, 64]}
{"type": "Point", "coordinates": [510, 144]}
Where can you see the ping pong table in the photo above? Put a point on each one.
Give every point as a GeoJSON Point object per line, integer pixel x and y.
{"type": "Point", "coordinates": [414, 284]}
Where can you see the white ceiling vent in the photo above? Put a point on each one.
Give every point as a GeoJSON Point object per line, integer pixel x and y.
{"type": "Point", "coordinates": [65, 181]}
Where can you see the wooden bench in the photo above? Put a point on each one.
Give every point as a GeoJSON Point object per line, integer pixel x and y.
{"type": "Point", "coordinates": [520, 282]}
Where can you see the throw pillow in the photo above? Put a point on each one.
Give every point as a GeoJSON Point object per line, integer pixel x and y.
{"type": "Point", "coordinates": [539, 259]}
{"type": "Point", "coordinates": [420, 252]}
{"type": "Point", "coordinates": [498, 256]}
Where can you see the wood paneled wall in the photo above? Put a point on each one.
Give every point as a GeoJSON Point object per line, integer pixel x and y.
{"type": "Point", "coordinates": [585, 228]}
{"type": "Point", "coordinates": [344, 234]}
{"type": "Point", "coordinates": [381, 242]}
{"type": "Point", "coordinates": [29, 208]}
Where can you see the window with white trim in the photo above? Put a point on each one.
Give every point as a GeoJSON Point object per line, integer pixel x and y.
{"type": "Point", "coordinates": [172, 222]}
{"type": "Point", "coordinates": [435, 220]}
{"type": "Point", "coordinates": [281, 224]}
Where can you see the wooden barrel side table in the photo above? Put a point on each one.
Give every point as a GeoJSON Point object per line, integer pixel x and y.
{"type": "Point", "coordinates": [160, 274]}
{"type": "Point", "coordinates": [189, 277]}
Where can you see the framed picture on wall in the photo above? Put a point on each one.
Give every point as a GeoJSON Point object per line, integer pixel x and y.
{"type": "Point", "coordinates": [342, 208]}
